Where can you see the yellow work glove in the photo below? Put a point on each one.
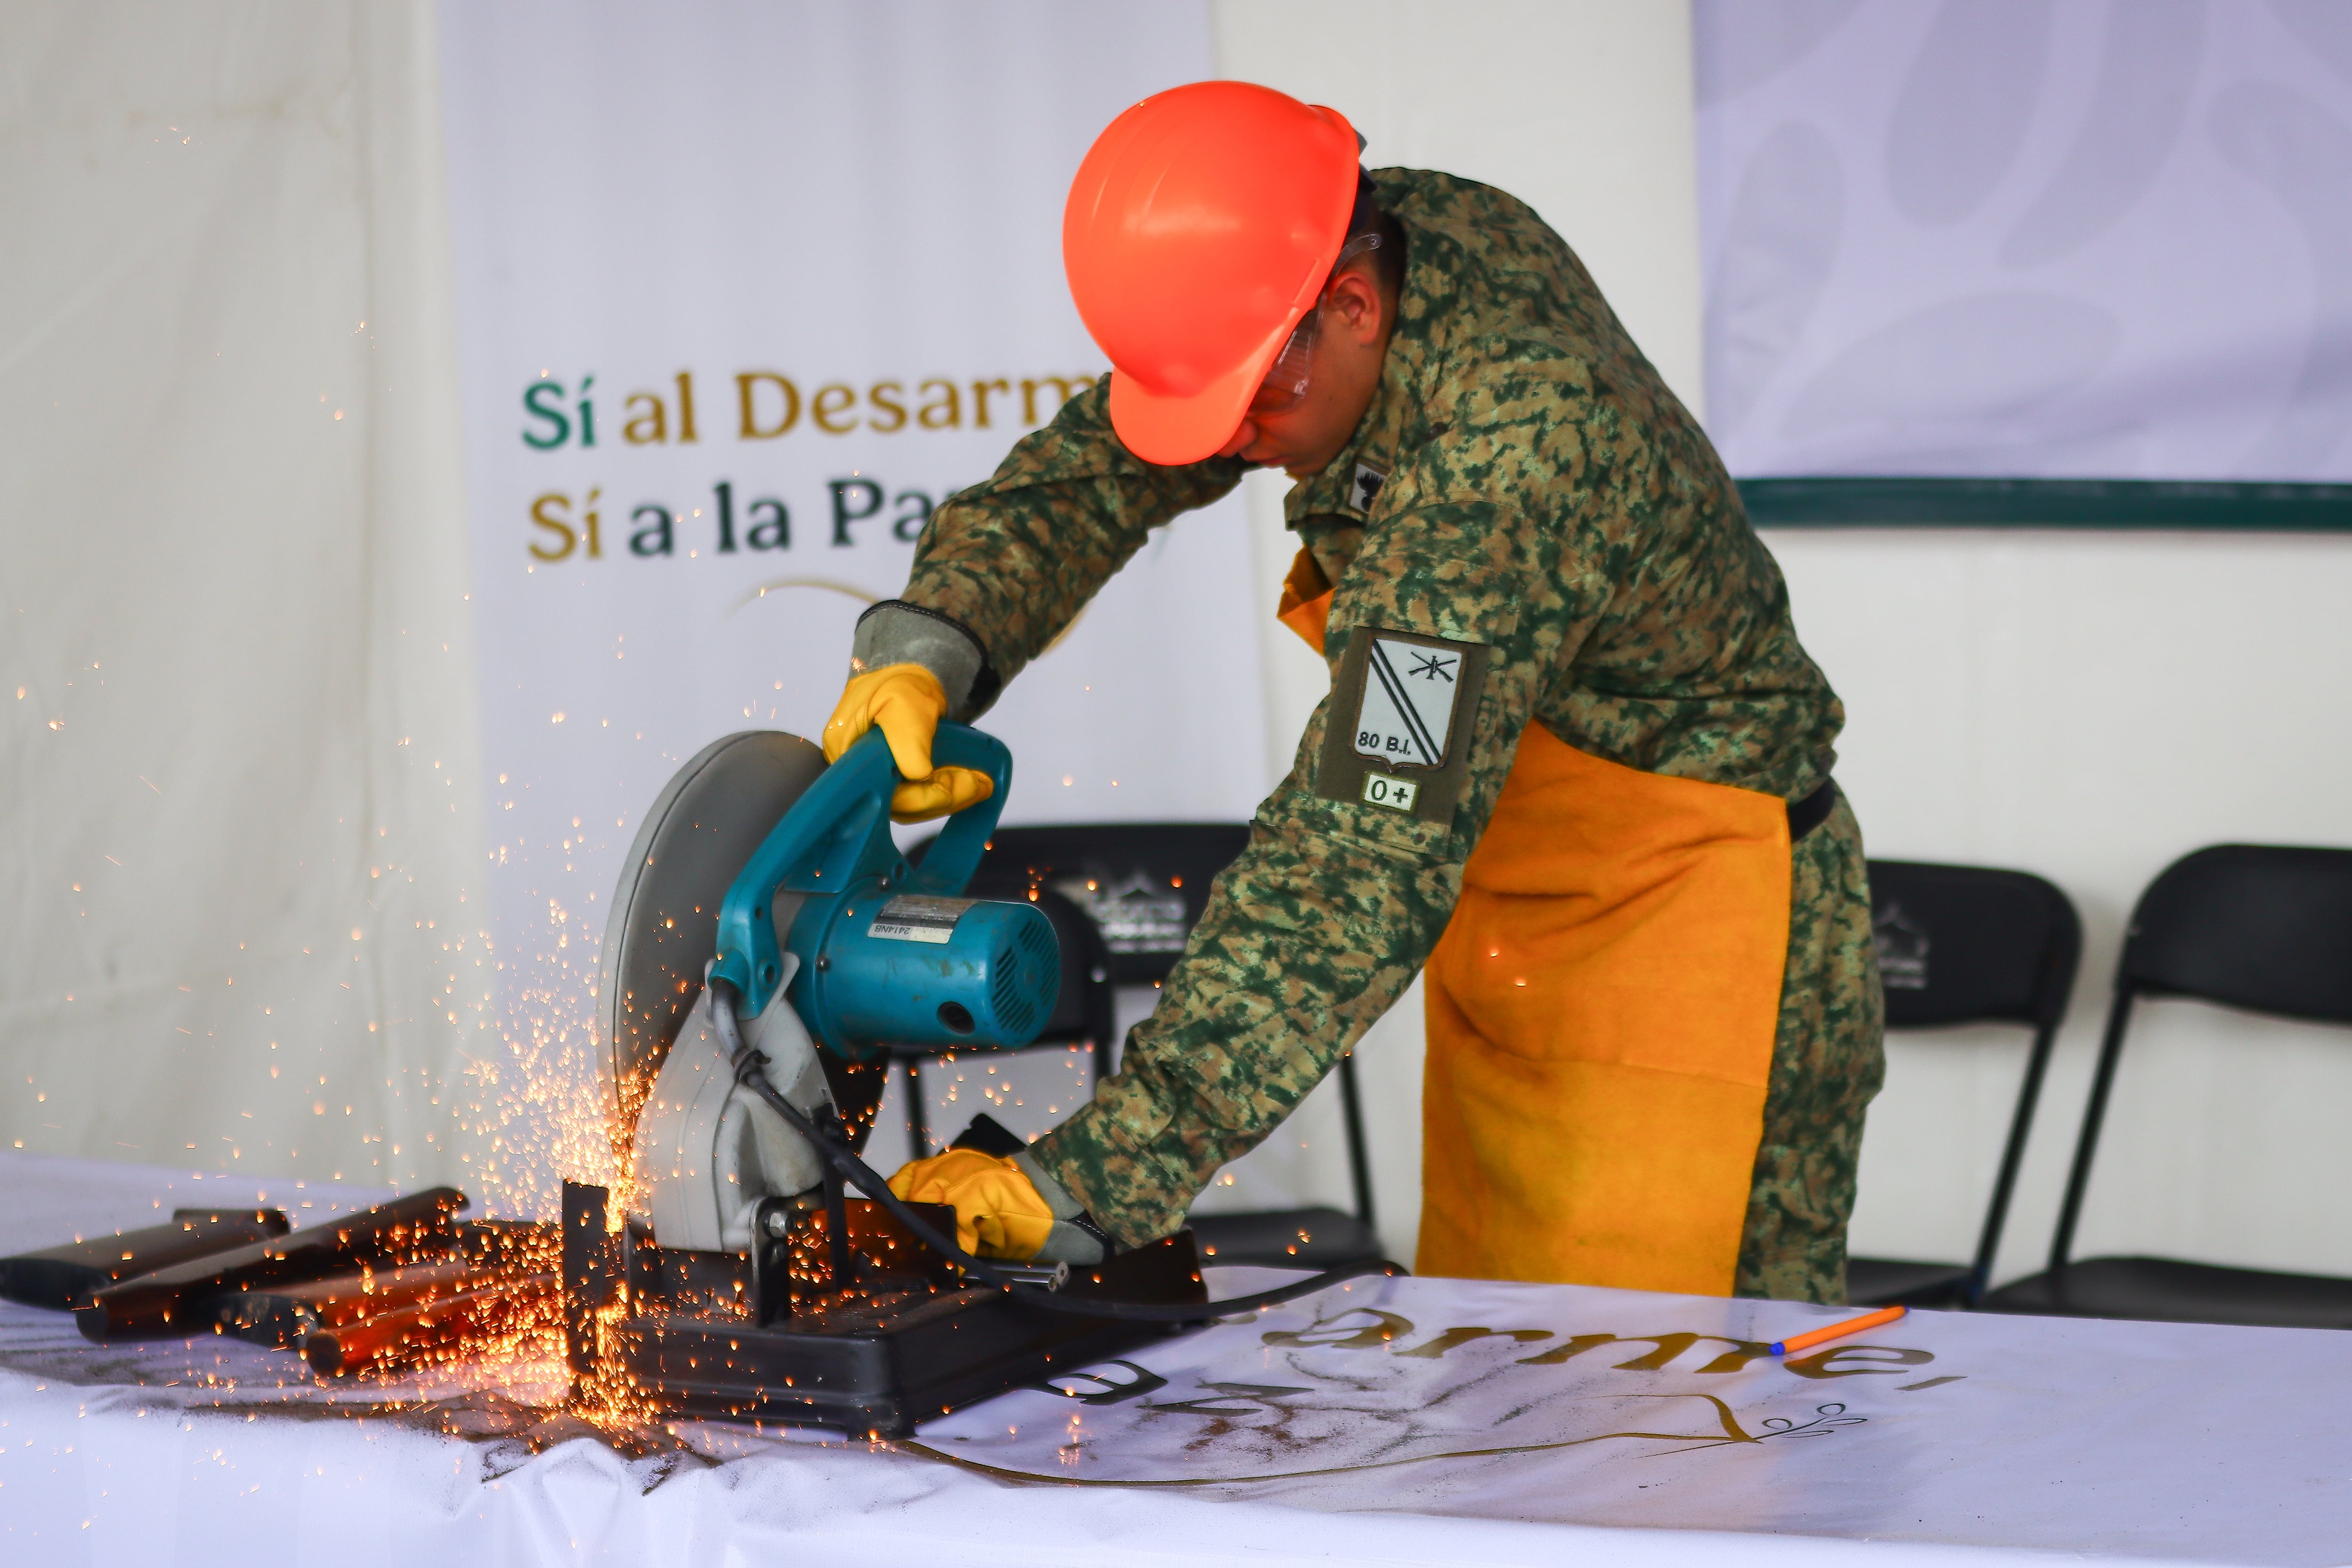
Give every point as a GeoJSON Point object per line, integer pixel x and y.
{"type": "Point", "coordinates": [908, 702]}
{"type": "Point", "coordinates": [998, 1212]}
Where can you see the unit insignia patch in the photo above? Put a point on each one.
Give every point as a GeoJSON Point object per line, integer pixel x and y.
{"type": "Point", "coordinates": [1403, 704]}
{"type": "Point", "coordinates": [1410, 694]}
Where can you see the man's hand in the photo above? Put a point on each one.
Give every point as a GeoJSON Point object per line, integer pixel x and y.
{"type": "Point", "coordinates": [998, 1213]}
{"type": "Point", "coordinates": [908, 702]}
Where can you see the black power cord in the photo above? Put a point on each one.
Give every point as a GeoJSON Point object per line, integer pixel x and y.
{"type": "Point", "coordinates": [748, 1063]}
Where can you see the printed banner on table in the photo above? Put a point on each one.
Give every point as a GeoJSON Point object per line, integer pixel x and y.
{"type": "Point", "coordinates": [1571, 1405]}
{"type": "Point", "coordinates": [1427, 1407]}
{"type": "Point", "coordinates": [744, 292]}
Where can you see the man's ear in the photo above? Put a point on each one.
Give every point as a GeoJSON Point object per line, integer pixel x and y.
{"type": "Point", "coordinates": [1360, 306]}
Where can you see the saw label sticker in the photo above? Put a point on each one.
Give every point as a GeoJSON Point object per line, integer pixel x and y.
{"type": "Point", "coordinates": [919, 917]}
{"type": "Point", "coordinates": [1408, 695]}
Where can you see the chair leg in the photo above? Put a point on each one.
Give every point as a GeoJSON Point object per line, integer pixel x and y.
{"type": "Point", "coordinates": [1102, 1028]}
{"type": "Point", "coordinates": [2021, 1126]}
{"type": "Point", "coordinates": [918, 1136]}
{"type": "Point", "coordinates": [2079, 1179]}
{"type": "Point", "coordinates": [1359, 1164]}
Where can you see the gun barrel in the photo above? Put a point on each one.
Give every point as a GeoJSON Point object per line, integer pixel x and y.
{"type": "Point", "coordinates": [414, 1332]}
{"type": "Point", "coordinates": [183, 1299]}
{"type": "Point", "coordinates": [280, 1315]}
{"type": "Point", "coordinates": [63, 1278]}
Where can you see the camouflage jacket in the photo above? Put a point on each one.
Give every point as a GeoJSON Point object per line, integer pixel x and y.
{"type": "Point", "coordinates": [1527, 522]}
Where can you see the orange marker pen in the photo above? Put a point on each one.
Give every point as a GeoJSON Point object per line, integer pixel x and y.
{"type": "Point", "coordinates": [1796, 1343]}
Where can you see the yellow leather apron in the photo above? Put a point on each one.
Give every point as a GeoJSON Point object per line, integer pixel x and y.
{"type": "Point", "coordinates": [1601, 1016]}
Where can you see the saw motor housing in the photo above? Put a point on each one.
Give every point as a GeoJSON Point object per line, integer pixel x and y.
{"type": "Point", "coordinates": [917, 969]}
{"type": "Point", "coordinates": [875, 954]}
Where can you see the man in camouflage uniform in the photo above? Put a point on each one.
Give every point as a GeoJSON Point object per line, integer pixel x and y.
{"type": "Point", "coordinates": [1522, 485]}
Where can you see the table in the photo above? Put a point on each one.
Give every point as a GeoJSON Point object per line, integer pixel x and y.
{"type": "Point", "coordinates": [1383, 1421]}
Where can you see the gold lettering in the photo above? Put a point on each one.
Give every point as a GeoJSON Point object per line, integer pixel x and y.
{"type": "Point", "coordinates": [1452, 1337]}
{"type": "Point", "coordinates": [1560, 1353]}
{"type": "Point", "coordinates": [1664, 1348]}
{"type": "Point", "coordinates": [948, 408]}
{"type": "Point", "coordinates": [979, 391]}
{"type": "Point", "coordinates": [653, 425]}
{"type": "Point", "coordinates": [1741, 1352]}
{"type": "Point", "coordinates": [1882, 1364]}
{"type": "Point", "coordinates": [888, 404]}
{"type": "Point", "coordinates": [596, 539]}
{"type": "Point", "coordinates": [830, 400]}
{"type": "Point", "coordinates": [746, 398]}
{"type": "Point", "coordinates": [556, 526]}
{"type": "Point", "coordinates": [1065, 389]}
{"type": "Point", "coordinates": [1384, 1327]}
{"type": "Point", "coordinates": [686, 408]}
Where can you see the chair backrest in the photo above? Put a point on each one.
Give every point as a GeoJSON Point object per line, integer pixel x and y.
{"type": "Point", "coordinates": [1142, 884]}
{"type": "Point", "coordinates": [1962, 944]}
{"type": "Point", "coordinates": [2261, 926]}
{"type": "Point", "coordinates": [2265, 927]}
{"type": "Point", "coordinates": [1084, 1012]}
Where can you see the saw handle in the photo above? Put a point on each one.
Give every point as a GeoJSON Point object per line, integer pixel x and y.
{"type": "Point", "coordinates": [955, 855]}
{"type": "Point", "coordinates": [837, 833]}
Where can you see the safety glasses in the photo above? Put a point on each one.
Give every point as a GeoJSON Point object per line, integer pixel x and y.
{"type": "Point", "coordinates": [1284, 386]}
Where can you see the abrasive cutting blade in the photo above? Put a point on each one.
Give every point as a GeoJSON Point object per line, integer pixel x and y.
{"type": "Point", "coordinates": [663, 925]}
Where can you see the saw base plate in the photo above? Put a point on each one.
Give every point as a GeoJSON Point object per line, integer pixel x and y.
{"type": "Point", "coordinates": [758, 1337]}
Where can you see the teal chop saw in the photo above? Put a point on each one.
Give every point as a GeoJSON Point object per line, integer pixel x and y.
{"type": "Point", "coordinates": [768, 949]}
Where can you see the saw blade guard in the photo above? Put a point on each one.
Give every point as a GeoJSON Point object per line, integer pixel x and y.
{"type": "Point", "coordinates": [886, 951]}
{"type": "Point", "coordinates": [708, 1153]}
{"type": "Point", "coordinates": [662, 924]}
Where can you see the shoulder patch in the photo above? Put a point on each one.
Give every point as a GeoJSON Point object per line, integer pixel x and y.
{"type": "Point", "coordinates": [1398, 732]}
{"type": "Point", "coordinates": [1405, 712]}
{"type": "Point", "coordinates": [1365, 488]}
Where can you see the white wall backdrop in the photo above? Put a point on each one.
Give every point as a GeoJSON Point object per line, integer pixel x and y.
{"type": "Point", "coordinates": [2090, 708]}
{"type": "Point", "coordinates": [242, 832]}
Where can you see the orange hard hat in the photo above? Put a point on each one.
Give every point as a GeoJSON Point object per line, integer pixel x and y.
{"type": "Point", "coordinates": [1200, 229]}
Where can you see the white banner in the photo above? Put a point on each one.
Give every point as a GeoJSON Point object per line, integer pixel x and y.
{"type": "Point", "coordinates": [2040, 238]}
{"type": "Point", "coordinates": [746, 291]}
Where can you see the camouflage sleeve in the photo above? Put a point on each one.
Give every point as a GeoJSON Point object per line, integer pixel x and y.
{"type": "Point", "coordinates": [1331, 911]}
{"type": "Point", "coordinates": [1016, 557]}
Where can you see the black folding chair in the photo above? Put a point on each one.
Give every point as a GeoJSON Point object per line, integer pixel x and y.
{"type": "Point", "coordinates": [2263, 928]}
{"type": "Point", "coordinates": [1084, 1012]}
{"type": "Point", "coordinates": [1142, 887]}
{"type": "Point", "coordinates": [1962, 944]}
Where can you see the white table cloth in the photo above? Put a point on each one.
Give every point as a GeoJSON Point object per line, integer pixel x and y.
{"type": "Point", "coordinates": [1386, 1421]}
